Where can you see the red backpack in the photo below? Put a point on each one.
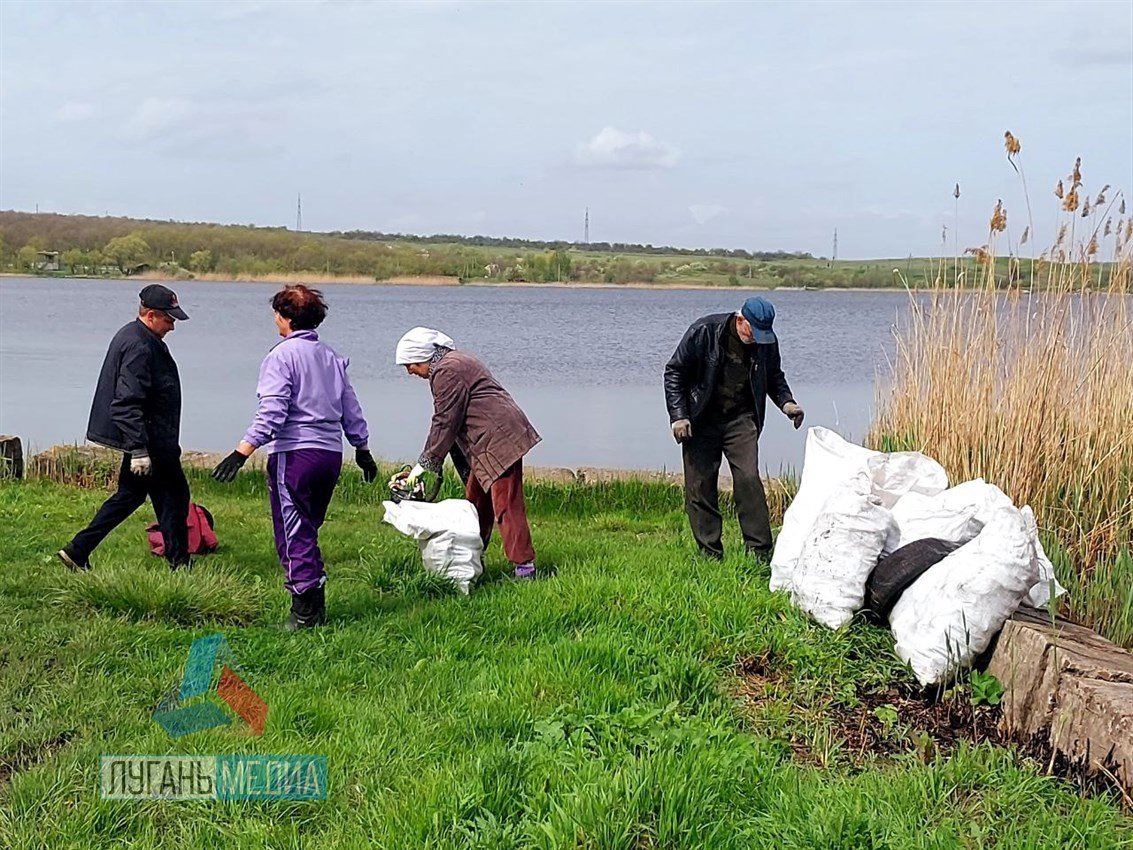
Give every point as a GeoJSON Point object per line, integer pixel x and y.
{"type": "Point", "coordinates": [202, 539]}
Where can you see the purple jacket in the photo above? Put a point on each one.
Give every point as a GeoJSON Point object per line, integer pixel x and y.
{"type": "Point", "coordinates": [306, 400]}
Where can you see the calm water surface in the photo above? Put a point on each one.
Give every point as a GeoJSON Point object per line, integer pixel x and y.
{"type": "Point", "coordinates": [585, 364]}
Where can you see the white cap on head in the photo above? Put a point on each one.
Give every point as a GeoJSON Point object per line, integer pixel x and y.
{"type": "Point", "coordinates": [418, 346]}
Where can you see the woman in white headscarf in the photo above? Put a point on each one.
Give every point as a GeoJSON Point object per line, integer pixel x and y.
{"type": "Point", "coordinates": [477, 416]}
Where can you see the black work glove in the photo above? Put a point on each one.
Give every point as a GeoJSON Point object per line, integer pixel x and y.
{"type": "Point", "coordinates": [365, 462]}
{"type": "Point", "coordinates": [226, 470]}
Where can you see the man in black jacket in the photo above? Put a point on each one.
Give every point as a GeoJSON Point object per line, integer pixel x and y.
{"type": "Point", "coordinates": [137, 410]}
{"type": "Point", "coordinates": [716, 388]}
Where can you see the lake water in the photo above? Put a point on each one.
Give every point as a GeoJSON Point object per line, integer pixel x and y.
{"type": "Point", "coordinates": [585, 364]}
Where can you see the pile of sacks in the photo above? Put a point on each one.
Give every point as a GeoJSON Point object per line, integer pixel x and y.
{"type": "Point", "coordinates": [946, 566]}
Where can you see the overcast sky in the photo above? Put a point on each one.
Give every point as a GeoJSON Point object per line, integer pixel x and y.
{"type": "Point", "coordinates": [762, 125]}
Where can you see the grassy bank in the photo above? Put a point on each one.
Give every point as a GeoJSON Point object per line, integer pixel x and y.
{"type": "Point", "coordinates": [1034, 392]}
{"type": "Point", "coordinates": [642, 697]}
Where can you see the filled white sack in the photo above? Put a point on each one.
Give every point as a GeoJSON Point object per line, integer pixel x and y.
{"type": "Point", "coordinates": [840, 553]}
{"type": "Point", "coordinates": [831, 462]}
{"type": "Point", "coordinates": [448, 534]}
{"type": "Point", "coordinates": [919, 517]}
{"type": "Point", "coordinates": [986, 498]}
{"type": "Point", "coordinates": [950, 614]}
{"type": "Point", "coordinates": [1047, 587]}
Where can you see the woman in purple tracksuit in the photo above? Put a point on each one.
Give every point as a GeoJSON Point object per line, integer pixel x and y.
{"type": "Point", "coordinates": [306, 403]}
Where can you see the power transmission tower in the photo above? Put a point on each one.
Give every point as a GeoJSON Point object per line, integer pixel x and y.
{"type": "Point", "coordinates": [298, 213]}
{"type": "Point", "coordinates": [586, 228]}
{"type": "Point", "coordinates": [834, 254]}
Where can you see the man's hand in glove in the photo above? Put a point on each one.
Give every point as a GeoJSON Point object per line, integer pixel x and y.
{"type": "Point", "coordinates": [794, 413]}
{"type": "Point", "coordinates": [682, 430]}
{"type": "Point", "coordinates": [226, 470]}
{"type": "Point", "coordinates": [366, 463]}
{"type": "Point", "coordinates": [140, 464]}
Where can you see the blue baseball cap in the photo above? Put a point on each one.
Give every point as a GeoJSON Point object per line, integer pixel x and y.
{"type": "Point", "coordinates": [760, 315]}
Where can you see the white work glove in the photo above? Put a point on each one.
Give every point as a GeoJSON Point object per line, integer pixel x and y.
{"type": "Point", "coordinates": [140, 464]}
{"type": "Point", "coordinates": [794, 413]}
{"type": "Point", "coordinates": [409, 478]}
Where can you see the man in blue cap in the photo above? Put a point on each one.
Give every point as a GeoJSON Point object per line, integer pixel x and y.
{"type": "Point", "coordinates": [716, 388]}
{"type": "Point", "coordinates": [137, 411]}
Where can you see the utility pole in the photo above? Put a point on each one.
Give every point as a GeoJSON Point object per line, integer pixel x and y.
{"type": "Point", "coordinates": [586, 228]}
{"type": "Point", "coordinates": [299, 213]}
{"type": "Point", "coordinates": [834, 253]}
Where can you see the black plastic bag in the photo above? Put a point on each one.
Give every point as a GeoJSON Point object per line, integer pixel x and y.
{"type": "Point", "coordinates": [897, 571]}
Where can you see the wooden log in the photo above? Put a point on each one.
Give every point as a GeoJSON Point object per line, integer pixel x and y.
{"type": "Point", "coordinates": [11, 457]}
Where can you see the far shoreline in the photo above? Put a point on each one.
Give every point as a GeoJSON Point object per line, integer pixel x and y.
{"type": "Point", "coordinates": [358, 280]}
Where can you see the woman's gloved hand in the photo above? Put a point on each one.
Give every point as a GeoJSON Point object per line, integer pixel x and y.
{"type": "Point", "coordinates": [226, 470]}
{"type": "Point", "coordinates": [366, 463]}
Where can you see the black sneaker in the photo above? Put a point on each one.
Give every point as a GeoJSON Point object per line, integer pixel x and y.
{"type": "Point", "coordinates": [72, 561]}
{"type": "Point", "coordinates": [185, 565]}
{"type": "Point", "coordinates": [308, 610]}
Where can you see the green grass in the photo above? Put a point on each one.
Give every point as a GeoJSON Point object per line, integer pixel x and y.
{"type": "Point", "coordinates": [594, 709]}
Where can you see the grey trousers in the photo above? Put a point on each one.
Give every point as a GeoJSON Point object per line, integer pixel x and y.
{"type": "Point", "coordinates": [738, 441]}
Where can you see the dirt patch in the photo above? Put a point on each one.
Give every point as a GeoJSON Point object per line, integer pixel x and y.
{"type": "Point", "coordinates": [898, 720]}
{"type": "Point", "coordinates": [902, 720]}
{"type": "Point", "coordinates": [24, 755]}
{"type": "Point", "coordinates": [885, 723]}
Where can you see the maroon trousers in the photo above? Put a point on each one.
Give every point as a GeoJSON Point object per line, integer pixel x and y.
{"type": "Point", "coordinates": [503, 503]}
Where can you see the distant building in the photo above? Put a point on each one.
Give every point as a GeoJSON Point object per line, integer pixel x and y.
{"type": "Point", "coordinates": [47, 261]}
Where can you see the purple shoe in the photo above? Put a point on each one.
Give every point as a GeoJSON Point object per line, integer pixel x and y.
{"type": "Point", "coordinates": [525, 571]}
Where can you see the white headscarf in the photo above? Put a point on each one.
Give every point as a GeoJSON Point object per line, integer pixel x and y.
{"type": "Point", "coordinates": [418, 345]}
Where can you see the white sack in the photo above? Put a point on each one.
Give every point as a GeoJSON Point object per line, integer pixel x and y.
{"type": "Point", "coordinates": [840, 553]}
{"type": "Point", "coordinates": [986, 499]}
{"type": "Point", "coordinates": [918, 517]}
{"type": "Point", "coordinates": [1047, 586]}
{"type": "Point", "coordinates": [831, 462]}
{"type": "Point", "coordinates": [448, 533]}
{"type": "Point", "coordinates": [950, 614]}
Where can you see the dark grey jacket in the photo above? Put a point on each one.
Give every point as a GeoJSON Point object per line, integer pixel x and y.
{"type": "Point", "coordinates": [137, 403]}
{"type": "Point", "coordinates": [690, 374]}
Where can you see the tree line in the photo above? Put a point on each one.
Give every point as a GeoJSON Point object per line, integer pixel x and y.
{"type": "Point", "coordinates": [106, 245]}
{"type": "Point", "coordinates": [562, 245]}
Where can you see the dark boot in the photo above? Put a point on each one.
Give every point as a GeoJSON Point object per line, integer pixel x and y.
{"type": "Point", "coordinates": [760, 556]}
{"type": "Point", "coordinates": [186, 565]}
{"type": "Point", "coordinates": [308, 609]}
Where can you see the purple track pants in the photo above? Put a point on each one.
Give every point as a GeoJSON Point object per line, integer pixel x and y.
{"type": "Point", "coordinates": [300, 484]}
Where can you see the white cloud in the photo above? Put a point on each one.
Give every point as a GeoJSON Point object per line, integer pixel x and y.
{"type": "Point", "coordinates": [614, 148]}
{"type": "Point", "coordinates": [158, 115]}
{"type": "Point", "coordinates": [704, 213]}
{"type": "Point", "coordinates": [240, 11]}
{"type": "Point", "coordinates": [228, 130]}
{"type": "Point", "coordinates": [71, 112]}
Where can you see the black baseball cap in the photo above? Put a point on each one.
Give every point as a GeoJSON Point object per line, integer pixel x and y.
{"type": "Point", "coordinates": [158, 297]}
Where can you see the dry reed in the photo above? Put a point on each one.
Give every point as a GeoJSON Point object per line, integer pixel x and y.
{"type": "Point", "coordinates": [1033, 391]}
